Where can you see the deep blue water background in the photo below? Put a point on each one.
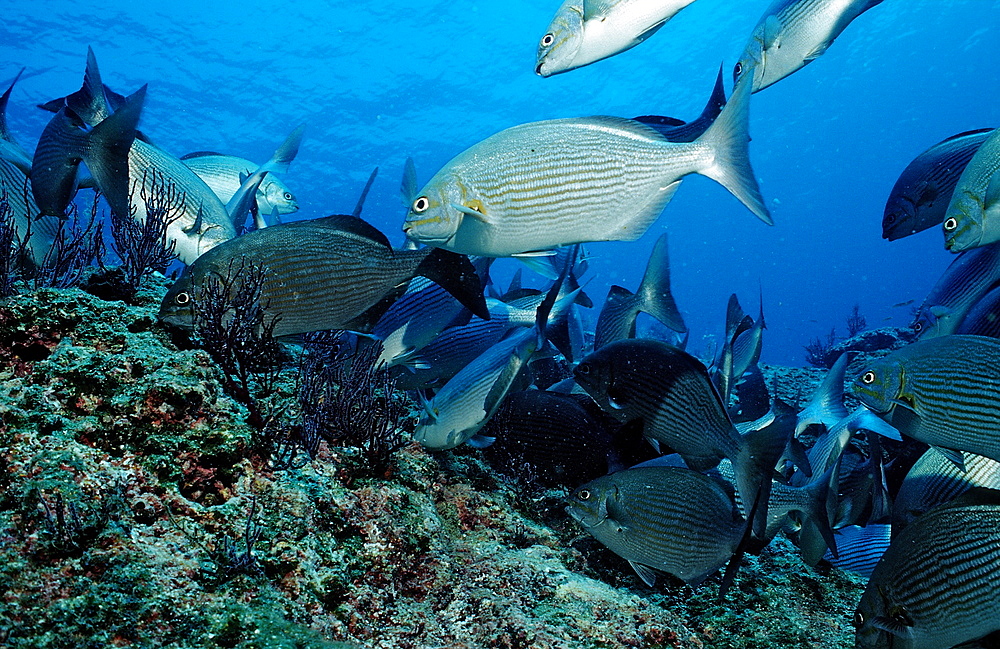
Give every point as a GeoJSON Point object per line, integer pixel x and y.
{"type": "Point", "coordinates": [377, 82]}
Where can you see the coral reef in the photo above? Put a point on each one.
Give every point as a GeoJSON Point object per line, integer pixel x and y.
{"type": "Point", "coordinates": [134, 514]}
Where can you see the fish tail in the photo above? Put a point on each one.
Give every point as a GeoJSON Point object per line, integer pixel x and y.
{"type": "Point", "coordinates": [287, 151]}
{"type": "Point", "coordinates": [819, 508]}
{"type": "Point", "coordinates": [728, 139]}
{"type": "Point", "coordinates": [455, 274]}
{"type": "Point", "coordinates": [107, 152]}
{"type": "Point", "coordinates": [654, 293]}
{"type": "Point", "coordinates": [827, 404]}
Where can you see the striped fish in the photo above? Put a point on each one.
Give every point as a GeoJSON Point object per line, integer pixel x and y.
{"type": "Point", "coordinates": [224, 174]}
{"type": "Point", "coordinates": [859, 548]}
{"type": "Point", "coordinates": [622, 307]}
{"type": "Point", "coordinates": [360, 272]}
{"type": "Point", "coordinates": [983, 319]}
{"type": "Point", "coordinates": [585, 31]}
{"type": "Point", "coordinates": [546, 184]}
{"type": "Point", "coordinates": [943, 392]}
{"type": "Point", "coordinates": [938, 584]}
{"type": "Point", "coordinates": [973, 216]}
{"type": "Point", "coordinates": [672, 520]}
{"type": "Point", "coordinates": [967, 279]}
{"type": "Point", "coordinates": [935, 479]}
{"type": "Point", "coordinates": [793, 33]}
{"type": "Point", "coordinates": [920, 197]}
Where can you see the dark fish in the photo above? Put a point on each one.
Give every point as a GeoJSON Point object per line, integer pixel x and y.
{"type": "Point", "coordinates": [943, 392]}
{"type": "Point", "coordinates": [673, 520]}
{"type": "Point", "coordinates": [920, 197]}
{"type": "Point", "coordinates": [676, 130]}
{"type": "Point", "coordinates": [622, 307]}
{"type": "Point", "coordinates": [983, 319]}
{"type": "Point", "coordinates": [938, 584]}
{"type": "Point", "coordinates": [554, 434]}
{"type": "Point", "coordinates": [935, 479]}
{"type": "Point", "coordinates": [966, 280]}
{"type": "Point", "coordinates": [335, 272]}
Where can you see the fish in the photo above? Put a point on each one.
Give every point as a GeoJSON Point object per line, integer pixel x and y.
{"type": "Point", "coordinates": [676, 130]}
{"type": "Point", "coordinates": [937, 584]}
{"type": "Point", "coordinates": [670, 393]}
{"type": "Point", "coordinates": [546, 184]}
{"type": "Point", "coordinates": [920, 197]}
{"type": "Point", "coordinates": [983, 319]}
{"type": "Point", "coordinates": [792, 34]}
{"type": "Point", "coordinates": [585, 31]}
{"type": "Point", "coordinates": [10, 150]}
{"type": "Point", "coordinates": [466, 403]}
{"type": "Point", "coordinates": [199, 219]}
{"type": "Point", "coordinates": [554, 433]}
{"type": "Point", "coordinates": [224, 174]}
{"type": "Point", "coordinates": [622, 307]}
{"type": "Point", "coordinates": [935, 479]}
{"type": "Point", "coordinates": [361, 274]}
{"type": "Point", "coordinates": [859, 548]}
{"type": "Point", "coordinates": [941, 391]}
{"type": "Point", "coordinates": [973, 215]}
{"type": "Point", "coordinates": [666, 519]}
{"type": "Point", "coordinates": [968, 278]}
{"type": "Point", "coordinates": [826, 407]}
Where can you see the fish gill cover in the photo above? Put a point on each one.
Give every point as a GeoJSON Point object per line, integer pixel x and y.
{"type": "Point", "coordinates": [141, 504]}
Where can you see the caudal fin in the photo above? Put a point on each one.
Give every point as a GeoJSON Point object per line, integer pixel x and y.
{"type": "Point", "coordinates": [654, 293]}
{"type": "Point", "coordinates": [728, 137]}
{"type": "Point", "coordinates": [455, 274]}
{"type": "Point", "coordinates": [107, 152]}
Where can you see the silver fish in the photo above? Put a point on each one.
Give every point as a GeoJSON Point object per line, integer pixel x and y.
{"type": "Point", "coordinates": [826, 407]}
{"type": "Point", "coordinates": [973, 216]}
{"type": "Point", "coordinates": [585, 31]}
{"type": "Point", "coordinates": [542, 185]}
{"type": "Point", "coordinates": [920, 197]}
{"type": "Point", "coordinates": [226, 173]}
{"type": "Point", "coordinates": [967, 279]}
{"type": "Point", "coordinates": [938, 584]}
{"type": "Point", "coordinates": [793, 33]}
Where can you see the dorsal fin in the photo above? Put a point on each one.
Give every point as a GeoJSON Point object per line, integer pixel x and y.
{"type": "Point", "coordinates": [4, 133]}
{"type": "Point", "coordinates": [364, 193]}
{"type": "Point", "coordinates": [200, 154]}
{"type": "Point", "coordinates": [352, 224]}
{"type": "Point", "coordinates": [408, 186]}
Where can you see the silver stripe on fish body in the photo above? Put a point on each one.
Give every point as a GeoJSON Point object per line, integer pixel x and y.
{"type": "Point", "coordinates": [546, 184]}
{"type": "Point", "coordinates": [585, 31]}
{"type": "Point", "coordinates": [793, 33]}
{"type": "Point", "coordinates": [973, 216]}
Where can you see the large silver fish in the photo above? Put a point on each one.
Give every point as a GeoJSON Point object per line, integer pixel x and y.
{"type": "Point", "coordinates": [585, 31]}
{"type": "Point", "coordinates": [669, 519]}
{"type": "Point", "coordinates": [943, 392]}
{"type": "Point", "coordinates": [546, 184]}
{"type": "Point", "coordinates": [973, 216]}
{"type": "Point", "coordinates": [361, 274]}
{"type": "Point", "coordinates": [793, 33]}
{"type": "Point", "coordinates": [938, 584]}
{"type": "Point", "coordinates": [225, 175]}
{"type": "Point", "coordinates": [920, 197]}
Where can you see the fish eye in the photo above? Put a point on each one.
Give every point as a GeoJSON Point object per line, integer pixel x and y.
{"type": "Point", "coordinates": [288, 196]}
{"type": "Point", "coordinates": [859, 619]}
{"type": "Point", "coordinates": [421, 204]}
{"type": "Point", "coordinates": [917, 327]}
{"type": "Point", "coordinates": [547, 40]}
{"type": "Point", "coordinates": [182, 298]}
{"type": "Point", "coordinates": [868, 377]}
{"type": "Point", "coordinates": [950, 224]}
{"type": "Point", "coordinates": [583, 495]}
{"type": "Point", "coordinates": [583, 368]}
{"type": "Point", "coordinates": [738, 70]}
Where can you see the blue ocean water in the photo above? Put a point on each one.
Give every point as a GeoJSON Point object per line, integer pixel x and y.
{"type": "Point", "coordinates": [377, 82]}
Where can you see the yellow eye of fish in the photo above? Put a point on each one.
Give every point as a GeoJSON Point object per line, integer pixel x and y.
{"type": "Point", "coordinates": [421, 204]}
{"type": "Point", "coordinates": [950, 224]}
{"type": "Point", "coordinates": [548, 40]}
{"type": "Point", "coordinates": [584, 495]}
{"type": "Point", "coordinates": [868, 377]}
{"type": "Point", "coordinates": [182, 298]}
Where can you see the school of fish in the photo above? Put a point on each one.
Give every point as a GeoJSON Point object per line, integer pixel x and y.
{"type": "Point", "coordinates": [677, 464]}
